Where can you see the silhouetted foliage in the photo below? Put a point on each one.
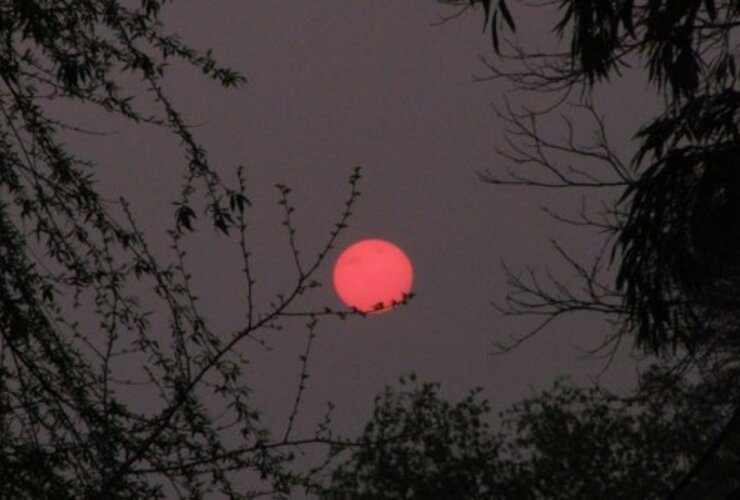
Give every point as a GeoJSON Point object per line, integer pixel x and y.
{"type": "Point", "coordinates": [78, 349]}
{"type": "Point", "coordinates": [670, 217]}
{"type": "Point", "coordinates": [566, 443]}
{"type": "Point", "coordinates": [680, 243]}
{"type": "Point", "coordinates": [444, 450]}
{"type": "Point", "coordinates": [674, 235]}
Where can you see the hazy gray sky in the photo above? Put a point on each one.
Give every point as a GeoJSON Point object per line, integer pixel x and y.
{"type": "Point", "coordinates": [332, 85]}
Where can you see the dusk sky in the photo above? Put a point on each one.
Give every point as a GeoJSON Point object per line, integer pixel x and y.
{"type": "Point", "coordinates": [333, 85]}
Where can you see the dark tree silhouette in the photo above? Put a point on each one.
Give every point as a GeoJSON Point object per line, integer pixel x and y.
{"type": "Point", "coordinates": [566, 443]}
{"type": "Point", "coordinates": [68, 425]}
{"type": "Point", "coordinates": [668, 273]}
{"type": "Point", "coordinates": [416, 445]}
{"type": "Point", "coordinates": [670, 212]}
{"type": "Point", "coordinates": [675, 241]}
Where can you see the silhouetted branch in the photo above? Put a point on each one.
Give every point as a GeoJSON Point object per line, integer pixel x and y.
{"type": "Point", "coordinates": [560, 162]}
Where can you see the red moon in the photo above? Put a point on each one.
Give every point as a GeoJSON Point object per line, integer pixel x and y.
{"type": "Point", "coordinates": [371, 274]}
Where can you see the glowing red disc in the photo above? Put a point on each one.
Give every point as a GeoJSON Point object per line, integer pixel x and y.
{"type": "Point", "coordinates": [372, 274]}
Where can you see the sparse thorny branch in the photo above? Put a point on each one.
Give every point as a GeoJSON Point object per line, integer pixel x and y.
{"type": "Point", "coordinates": [302, 377]}
{"type": "Point", "coordinates": [345, 313]}
{"type": "Point", "coordinates": [239, 201]}
{"type": "Point", "coordinates": [160, 423]}
{"type": "Point", "coordinates": [290, 227]}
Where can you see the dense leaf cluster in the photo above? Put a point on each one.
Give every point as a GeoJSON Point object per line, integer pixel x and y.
{"type": "Point", "coordinates": [567, 443]}
{"type": "Point", "coordinates": [681, 241]}
{"type": "Point", "coordinates": [417, 445]}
